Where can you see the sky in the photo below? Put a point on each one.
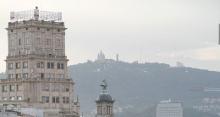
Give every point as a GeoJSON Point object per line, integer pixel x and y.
{"type": "Point", "coordinates": [164, 31]}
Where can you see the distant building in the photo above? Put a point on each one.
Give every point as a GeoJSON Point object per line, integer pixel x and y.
{"type": "Point", "coordinates": [101, 57]}
{"type": "Point", "coordinates": [179, 64]}
{"type": "Point", "coordinates": [37, 75]}
{"type": "Point", "coordinates": [169, 108]}
{"type": "Point", "coordinates": [104, 103]}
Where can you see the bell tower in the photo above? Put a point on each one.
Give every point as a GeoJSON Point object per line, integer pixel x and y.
{"type": "Point", "coordinates": [104, 103]}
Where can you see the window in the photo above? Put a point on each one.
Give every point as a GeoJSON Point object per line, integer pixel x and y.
{"type": "Point", "coordinates": [10, 75]}
{"type": "Point", "coordinates": [55, 87]}
{"type": "Point", "coordinates": [50, 75]}
{"type": "Point", "coordinates": [42, 64]}
{"type": "Point", "coordinates": [60, 66]}
{"type": "Point", "coordinates": [17, 65]}
{"type": "Point", "coordinates": [4, 98]}
{"type": "Point", "coordinates": [25, 64]}
{"type": "Point", "coordinates": [108, 109]}
{"type": "Point", "coordinates": [25, 75]}
{"type": "Point", "coordinates": [60, 75]}
{"type": "Point", "coordinates": [53, 99]}
{"type": "Point", "coordinates": [45, 87]}
{"type": "Point", "coordinates": [58, 43]}
{"type": "Point", "coordinates": [18, 76]}
{"type": "Point", "coordinates": [38, 65]}
{"type": "Point", "coordinates": [57, 100]}
{"type": "Point", "coordinates": [18, 87]}
{"type": "Point", "coordinates": [4, 88]}
{"type": "Point", "coordinates": [19, 42]}
{"type": "Point", "coordinates": [10, 65]}
{"type": "Point", "coordinates": [19, 98]}
{"type": "Point", "coordinates": [12, 98]}
{"type": "Point", "coordinates": [42, 75]}
{"type": "Point", "coordinates": [45, 99]}
{"type": "Point", "coordinates": [12, 88]}
{"type": "Point", "coordinates": [50, 65]}
{"type": "Point", "coordinates": [38, 41]}
{"type": "Point", "coordinates": [48, 42]}
{"type": "Point", "coordinates": [66, 100]}
{"type": "Point", "coordinates": [65, 88]}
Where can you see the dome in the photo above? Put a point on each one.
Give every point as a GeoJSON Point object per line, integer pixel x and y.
{"type": "Point", "coordinates": [105, 98]}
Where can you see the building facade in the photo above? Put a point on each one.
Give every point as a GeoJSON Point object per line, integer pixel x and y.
{"type": "Point", "coordinates": [104, 103]}
{"type": "Point", "coordinates": [169, 108]}
{"type": "Point", "coordinates": [37, 75]}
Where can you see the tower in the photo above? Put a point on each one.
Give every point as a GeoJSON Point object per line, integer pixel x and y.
{"type": "Point", "coordinates": [104, 103]}
{"type": "Point", "coordinates": [36, 64]}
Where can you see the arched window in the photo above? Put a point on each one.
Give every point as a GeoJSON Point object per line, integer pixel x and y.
{"type": "Point", "coordinates": [19, 42]}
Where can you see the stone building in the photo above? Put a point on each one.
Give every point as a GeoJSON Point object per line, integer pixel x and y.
{"type": "Point", "coordinates": [104, 103]}
{"type": "Point", "coordinates": [37, 75]}
{"type": "Point", "coordinates": [169, 108]}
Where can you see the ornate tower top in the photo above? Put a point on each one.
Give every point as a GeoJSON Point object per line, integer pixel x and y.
{"type": "Point", "coordinates": [35, 14]}
{"type": "Point", "coordinates": [104, 102]}
{"type": "Point", "coordinates": [104, 95]}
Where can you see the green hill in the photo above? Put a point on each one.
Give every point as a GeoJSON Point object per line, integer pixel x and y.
{"type": "Point", "coordinates": [141, 86]}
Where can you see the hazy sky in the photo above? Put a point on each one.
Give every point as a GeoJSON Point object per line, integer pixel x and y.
{"type": "Point", "coordinates": [144, 30]}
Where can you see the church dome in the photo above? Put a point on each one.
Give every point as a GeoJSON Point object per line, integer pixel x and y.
{"type": "Point", "coordinates": [105, 98]}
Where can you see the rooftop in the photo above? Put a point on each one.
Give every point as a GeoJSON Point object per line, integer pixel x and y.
{"type": "Point", "coordinates": [35, 14]}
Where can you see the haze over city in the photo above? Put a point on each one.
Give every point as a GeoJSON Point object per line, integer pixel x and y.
{"type": "Point", "coordinates": [164, 31]}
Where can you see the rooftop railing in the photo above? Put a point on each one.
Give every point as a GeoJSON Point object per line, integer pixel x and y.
{"type": "Point", "coordinates": [35, 14]}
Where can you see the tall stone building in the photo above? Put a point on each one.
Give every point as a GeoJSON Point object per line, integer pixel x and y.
{"type": "Point", "coordinates": [37, 75]}
{"type": "Point", "coordinates": [104, 103]}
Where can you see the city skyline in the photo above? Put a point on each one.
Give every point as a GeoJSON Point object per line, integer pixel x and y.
{"type": "Point", "coordinates": [148, 31]}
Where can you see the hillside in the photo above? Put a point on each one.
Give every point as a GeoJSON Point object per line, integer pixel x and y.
{"type": "Point", "coordinates": [138, 87]}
